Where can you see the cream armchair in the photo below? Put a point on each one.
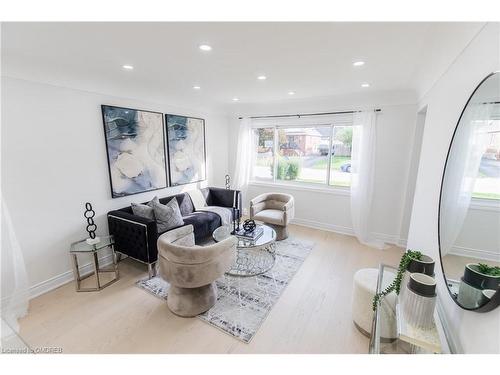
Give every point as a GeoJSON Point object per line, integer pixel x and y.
{"type": "Point", "coordinates": [274, 209]}
{"type": "Point", "coordinates": [192, 270]}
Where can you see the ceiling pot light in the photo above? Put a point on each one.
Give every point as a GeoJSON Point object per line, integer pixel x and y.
{"type": "Point", "coordinates": [358, 63]}
{"type": "Point", "coordinates": [127, 67]}
{"type": "Point", "coordinates": [262, 78]}
{"type": "Point", "coordinates": [205, 47]}
{"type": "Point", "coordinates": [365, 85]}
{"type": "Point", "coordinates": [196, 87]}
{"type": "Point", "coordinates": [235, 99]}
{"type": "Point", "coordinates": [291, 92]}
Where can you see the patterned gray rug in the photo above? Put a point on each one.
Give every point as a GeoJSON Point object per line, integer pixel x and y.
{"type": "Point", "coordinates": [244, 302]}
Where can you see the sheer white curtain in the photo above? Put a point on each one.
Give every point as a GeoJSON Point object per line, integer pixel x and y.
{"type": "Point", "coordinates": [363, 176]}
{"type": "Point", "coordinates": [243, 155]}
{"type": "Point", "coordinates": [14, 278]}
{"type": "Point", "coordinates": [469, 143]}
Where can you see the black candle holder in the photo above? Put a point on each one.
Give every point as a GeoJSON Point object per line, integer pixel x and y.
{"type": "Point", "coordinates": [236, 220]}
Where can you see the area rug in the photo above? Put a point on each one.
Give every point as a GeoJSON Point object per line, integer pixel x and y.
{"type": "Point", "coordinates": [244, 302]}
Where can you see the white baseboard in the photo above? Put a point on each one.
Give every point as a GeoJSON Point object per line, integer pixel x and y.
{"type": "Point", "coordinates": [402, 242]}
{"type": "Point", "coordinates": [387, 238]}
{"type": "Point", "coordinates": [475, 253]}
{"type": "Point", "coordinates": [66, 277]}
{"type": "Point", "coordinates": [328, 227]}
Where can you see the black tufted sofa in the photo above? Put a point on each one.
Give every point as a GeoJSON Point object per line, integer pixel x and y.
{"type": "Point", "coordinates": [136, 236]}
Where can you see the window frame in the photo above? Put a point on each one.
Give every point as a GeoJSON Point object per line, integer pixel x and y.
{"type": "Point", "coordinates": [280, 123]}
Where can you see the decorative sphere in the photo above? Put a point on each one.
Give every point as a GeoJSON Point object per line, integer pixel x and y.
{"type": "Point", "coordinates": [249, 225]}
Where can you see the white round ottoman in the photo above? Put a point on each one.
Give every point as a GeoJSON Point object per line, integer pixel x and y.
{"type": "Point", "coordinates": [365, 285]}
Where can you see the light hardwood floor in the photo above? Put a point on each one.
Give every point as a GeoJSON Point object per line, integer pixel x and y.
{"type": "Point", "coordinates": [313, 315]}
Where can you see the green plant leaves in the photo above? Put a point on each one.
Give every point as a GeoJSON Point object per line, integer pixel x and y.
{"type": "Point", "coordinates": [488, 270]}
{"type": "Point", "coordinates": [396, 283]}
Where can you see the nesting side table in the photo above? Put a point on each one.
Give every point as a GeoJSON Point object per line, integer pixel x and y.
{"type": "Point", "coordinates": [82, 247]}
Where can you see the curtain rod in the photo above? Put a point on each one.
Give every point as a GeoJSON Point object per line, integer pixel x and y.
{"type": "Point", "coordinates": [310, 114]}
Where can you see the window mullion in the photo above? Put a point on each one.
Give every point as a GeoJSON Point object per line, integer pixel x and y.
{"type": "Point", "coordinates": [275, 158]}
{"type": "Point", "coordinates": [329, 165]}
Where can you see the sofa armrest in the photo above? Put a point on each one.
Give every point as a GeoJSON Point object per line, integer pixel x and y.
{"type": "Point", "coordinates": [134, 236]}
{"type": "Point", "coordinates": [225, 198]}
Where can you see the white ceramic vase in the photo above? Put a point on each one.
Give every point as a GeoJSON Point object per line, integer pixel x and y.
{"type": "Point", "coordinates": [419, 301]}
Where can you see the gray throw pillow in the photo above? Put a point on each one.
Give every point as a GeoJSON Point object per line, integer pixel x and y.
{"type": "Point", "coordinates": [168, 215]}
{"type": "Point", "coordinates": [143, 210]}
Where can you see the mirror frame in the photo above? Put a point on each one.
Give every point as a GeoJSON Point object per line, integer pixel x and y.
{"type": "Point", "coordinates": [495, 301]}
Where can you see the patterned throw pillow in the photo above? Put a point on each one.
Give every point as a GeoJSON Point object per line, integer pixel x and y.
{"type": "Point", "coordinates": [168, 216]}
{"type": "Point", "coordinates": [143, 210]}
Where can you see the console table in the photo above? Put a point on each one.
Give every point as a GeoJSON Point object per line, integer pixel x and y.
{"type": "Point", "coordinates": [410, 340]}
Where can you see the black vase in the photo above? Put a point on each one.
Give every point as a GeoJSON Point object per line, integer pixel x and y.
{"type": "Point", "coordinates": [422, 284]}
{"type": "Point", "coordinates": [478, 280]}
{"type": "Point", "coordinates": [424, 265]}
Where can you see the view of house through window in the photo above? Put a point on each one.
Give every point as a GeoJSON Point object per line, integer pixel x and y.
{"type": "Point", "coordinates": [311, 154]}
{"type": "Point", "coordinates": [300, 157]}
{"type": "Point", "coordinates": [487, 184]}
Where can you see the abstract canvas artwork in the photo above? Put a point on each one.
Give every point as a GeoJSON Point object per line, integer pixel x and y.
{"type": "Point", "coordinates": [135, 144]}
{"type": "Point", "coordinates": [186, 149]}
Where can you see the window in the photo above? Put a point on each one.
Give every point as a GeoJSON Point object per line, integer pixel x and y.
{"type": "Point", "coordinates": [311, 154]}
{"type": "Point", "coordinates": [340, 165]}
{"type": "Point", "coordinates": [487, 184]}
{"type": "Point", "coordinates": [263, 165]}
{"type": "Point", "coordinates": [303, 154]}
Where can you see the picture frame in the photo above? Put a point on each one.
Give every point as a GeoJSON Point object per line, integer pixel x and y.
{"type": "Point", "coordinates": [186, 149]}
{"type": "Point", "coordinates": [135, 149]}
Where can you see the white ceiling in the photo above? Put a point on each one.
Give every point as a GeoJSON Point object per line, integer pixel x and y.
{"type": "Point", "coordinates": [312, 59]}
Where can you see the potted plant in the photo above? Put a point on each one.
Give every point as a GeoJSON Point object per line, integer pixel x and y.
{"type": "Point", "coordinates": [408, 257]}
{"type": "Point", "coordinates": [482, 276]}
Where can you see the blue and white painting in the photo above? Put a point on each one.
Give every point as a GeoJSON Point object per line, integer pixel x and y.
{"type": "Point", "coordinates": [186, 149]}
{"type": "Point", "coordinates": [136, 150]}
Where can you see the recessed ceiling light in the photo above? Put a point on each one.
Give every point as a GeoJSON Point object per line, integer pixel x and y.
{"type": "Point", "coordinates": [196, 87]}
{"type": "Point", "coordinates": [205, 47]}
{"type": "Point", "coordinates": [365, 85]}
{"type": "Point", "coordinates": [235, 99]}
{"type": "Point", "coordinates": [262, 78]}
{"type": "Point", "coordinates": [358, 63]}
{"type": "Point", "coordinates": [128, 67]}
{"type": "Point", "coordinates": [291, 92]}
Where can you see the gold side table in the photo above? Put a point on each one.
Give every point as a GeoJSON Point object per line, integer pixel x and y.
{"type": "Point", "coordinates": [82, 247]}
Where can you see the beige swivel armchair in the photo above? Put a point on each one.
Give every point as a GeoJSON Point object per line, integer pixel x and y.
{"type": "Point", "coordinates": [274, 209]}
{"type": "Point", "coordinates": [192, 270]}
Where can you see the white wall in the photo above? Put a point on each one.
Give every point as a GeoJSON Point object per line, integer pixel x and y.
{"type": "Point", "coordinates": [412, 176]}
{"type": "Point", "coordinates": [54, 160]}
{"type": "Point", "coordinates": [480, 234]}
{"type": "Point", "coordinates": [476, 332]}
{"type": "Point", "coordinates": [395, 133]}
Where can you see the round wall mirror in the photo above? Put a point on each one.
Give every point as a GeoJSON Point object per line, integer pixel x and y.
{"type": "Point", "coordinates": [469, 207]}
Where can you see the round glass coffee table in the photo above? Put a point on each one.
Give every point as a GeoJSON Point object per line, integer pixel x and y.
{"type": "Point", "coordinates": [253, 257]}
